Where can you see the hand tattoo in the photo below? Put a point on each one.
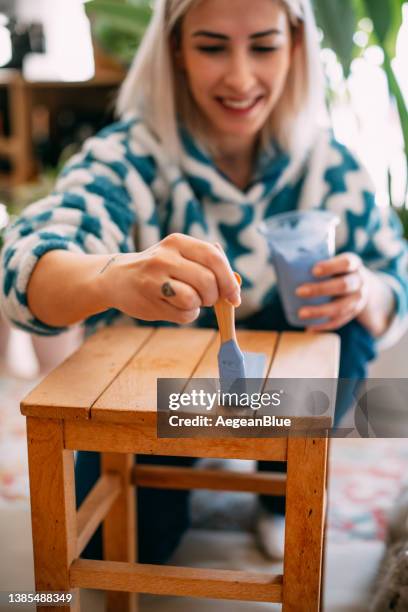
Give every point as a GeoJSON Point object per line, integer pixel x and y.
{"type": "Point", "coordinates": [109, 263]}
{"type": "Point", "coordinates": [167, 290]}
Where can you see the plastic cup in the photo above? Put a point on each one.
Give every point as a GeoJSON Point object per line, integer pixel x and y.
{"type": "Point", "coordinates": [297, 241]}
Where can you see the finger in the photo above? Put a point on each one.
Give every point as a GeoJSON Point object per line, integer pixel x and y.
{"type": "Point", "coordinates": [332, 324]}
{"type": "Point", "coordinates": [170, 313]}
{"type": "Point", "coordinates": [180, 295]}
{"type": "Point", "coordinates": [198, 277]}
{"type": "Point", "coordinates": [340, 285]}
{"type": "Point", "coordinates": [158, 309]}
{"type": "Point", "coordinates": [340, 264]}
{"type": "Point", "coordinates": [337, 322]}
{"type": "Point", "coordinates": [209, 256]}
{"type": "Point", "coordinates": [333, 309]}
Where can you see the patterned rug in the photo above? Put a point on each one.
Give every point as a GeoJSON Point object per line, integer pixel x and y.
{"type": "Point", "coordinates": [13, 446]}
{"type": "Point", "coordinates": [365, 475]}
{"type": "Point", "coordinates": [365, 478]}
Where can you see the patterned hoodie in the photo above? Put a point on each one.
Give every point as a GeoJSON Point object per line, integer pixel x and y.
{"type": "Point", "coordinates": [123, 193]}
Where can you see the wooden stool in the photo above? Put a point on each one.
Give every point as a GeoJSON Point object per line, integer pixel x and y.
{"type": "Point", "coordinates": [103, 399]}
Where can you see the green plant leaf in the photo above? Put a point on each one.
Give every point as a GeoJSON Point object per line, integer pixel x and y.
{"type": "Point", "coordinates": [125, 16]}
{"type": "Point", "coordinates": [396, 92]}
{"type": "Point", "coordinates": [380, 12]}
{"type": "Point", "coordinates": [120, 45]}
{"type": "Point", "coordinates": [119, 25]}
{"type": "Point", "coordinates": [386, 16]}
{"type": "Point", "coordinates": [337, 20]}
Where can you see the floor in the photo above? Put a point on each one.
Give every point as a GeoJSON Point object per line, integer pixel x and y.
{"type": "Point", "coordinates": [350, 568]}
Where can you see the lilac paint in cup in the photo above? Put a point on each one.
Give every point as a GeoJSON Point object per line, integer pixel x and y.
{"type": "Point", "coordinates": [297, 241]}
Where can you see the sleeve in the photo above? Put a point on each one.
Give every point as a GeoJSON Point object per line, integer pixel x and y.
{"type": "Point", "coordinates": [90, 211]}
{"type": "Point", "coordinates": [373, 232]}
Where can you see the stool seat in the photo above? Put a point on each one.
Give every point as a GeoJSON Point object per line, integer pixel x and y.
{"type": "Point", "coordinates": [104, 398]}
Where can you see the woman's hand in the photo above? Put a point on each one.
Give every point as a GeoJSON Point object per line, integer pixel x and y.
{"type": "Point", "coordinates": [355, 291]}
{"type": "Point", "coordinates": [170, 281]}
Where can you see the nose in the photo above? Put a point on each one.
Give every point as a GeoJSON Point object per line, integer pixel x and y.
{"type": "Point", "coordinates": [240, 77]}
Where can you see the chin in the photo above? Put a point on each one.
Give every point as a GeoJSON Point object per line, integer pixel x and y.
{"type": "Point", "coordinates": [240, 131]}
{"type": "Point", "coordinates": [240, 128]}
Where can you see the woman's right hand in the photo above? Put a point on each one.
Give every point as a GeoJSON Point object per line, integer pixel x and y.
{"type": "Point", "coordinates": [169, 281]}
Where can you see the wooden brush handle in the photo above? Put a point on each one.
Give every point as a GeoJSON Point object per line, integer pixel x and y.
{"type": "Point", "coordinates": [225, 314]}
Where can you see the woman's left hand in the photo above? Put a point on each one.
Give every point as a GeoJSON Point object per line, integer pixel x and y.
{"type": "Point", "coordinates": [348, 288]}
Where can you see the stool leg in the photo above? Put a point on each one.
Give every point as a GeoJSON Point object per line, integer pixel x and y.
{"type": "Point", "coordinates": [119, 527]}
{"type": "Point", "coordinates": [53, 510]}
{"type": "Point", "coordinates": [325, 510]}
{"type": "Point", "coordinates": [305, 486]}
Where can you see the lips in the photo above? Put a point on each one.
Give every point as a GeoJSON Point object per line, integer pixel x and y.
{"type": "Point", "coordinates": [241, 106]}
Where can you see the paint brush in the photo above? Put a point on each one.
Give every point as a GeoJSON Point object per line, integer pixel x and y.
{"type": "Point", "coordinates": [231, 362]}
{"type": "Point", "coordinates": [235, 366]}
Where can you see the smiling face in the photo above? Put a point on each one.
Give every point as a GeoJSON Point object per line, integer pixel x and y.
{"type": "Point", "coordinates": [236, 56]}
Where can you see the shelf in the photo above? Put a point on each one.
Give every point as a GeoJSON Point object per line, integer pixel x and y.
{"type": "Point", "coordinates": [23, 95]}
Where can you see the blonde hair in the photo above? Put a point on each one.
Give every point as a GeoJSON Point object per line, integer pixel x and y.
{"type": "Point", "coordinates": [156, 90]}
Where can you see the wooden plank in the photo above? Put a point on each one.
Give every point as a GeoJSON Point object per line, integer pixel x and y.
{"type": "Point", "coordinates": [305, 491]}
{"type": "Point", "coordinates": [20, 107]}
{"type": "Point", "coordinates": [70, 390]}
{"type": "Point", "coordinates": [248, 340]}
{"type": "Point", "coordinates": [9, 75]}
{"type": "Point", "coordinates": [6, 180]}
{"type": "Point", "coordinates": [306, 355]}
{"type": "Point", "coordinates": [53, 512]}
{"type": "Point", "coordinates": [103, 78]}
{"type": "Point", "coordinates": [325, 527]}
{"type": "Point", "coordinates": [166, 477]}
{"type": "Point", "coordinates": [180, 581]}
{"type": "Point", "coordinates": [171, 353]}
{"type": "Point", "coordinates": [311, 361]}
{"type": "Point", "coordinates": [95, 507]}
{"type": "Point", "coordinates": [8, 146]}
{"type": "Point", "coordinates": [119, 526]}
{"type": "Point", "coordinates": [142, 438]}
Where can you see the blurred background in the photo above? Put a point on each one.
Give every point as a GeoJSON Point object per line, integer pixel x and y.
{"type": "Point", "coordinates": [52, 52]}
{"type": "Point", "coordinates": [61, 63]}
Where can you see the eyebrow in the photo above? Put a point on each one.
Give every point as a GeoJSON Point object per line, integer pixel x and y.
{"type": "Point", "coordinates": [225, 37]}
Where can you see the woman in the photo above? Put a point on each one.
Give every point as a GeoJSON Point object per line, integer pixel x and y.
{"type": "Point", "coordinates": [219, 131]}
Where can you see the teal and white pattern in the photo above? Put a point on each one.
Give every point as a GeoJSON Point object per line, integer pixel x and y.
{"type": "Point", "coordinates": [122, 192]}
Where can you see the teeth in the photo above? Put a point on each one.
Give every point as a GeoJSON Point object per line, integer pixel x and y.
{"type": "Point", "coordinates": [242, 104]}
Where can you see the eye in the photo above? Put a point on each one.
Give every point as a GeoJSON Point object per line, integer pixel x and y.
{"type": "Point", "coordinates": [263, 49]}
{"type": "Point", "coordinates": [211, 49]}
